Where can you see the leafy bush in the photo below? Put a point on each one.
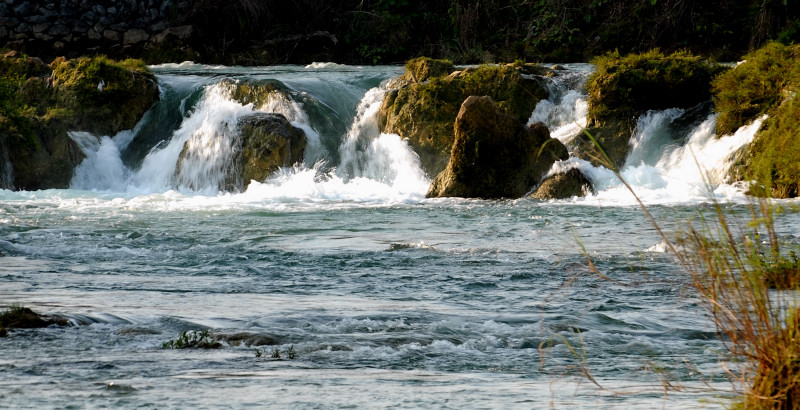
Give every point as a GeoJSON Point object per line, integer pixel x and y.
{"type": "Point", "coordinates": [192, 339]}
{"type": "Point", "coordinates": [753, 87]}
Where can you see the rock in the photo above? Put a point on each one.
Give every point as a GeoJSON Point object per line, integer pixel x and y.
{"type": "Point", "coordinates": [424, 112]}
{"type": "Point", "coordinates": [134, 36]}
{"type": "Point", "coordinates": [564, 185]}
{"type": "Point", "coordinates": [423, 68]}
{"type": "Point", "coordinates": [25, 318]}
{"type": "Point", "coordinates": [42, 158]}
{"type": "Point", "coordinates": [269, 142]}
{"type": "Point", "coordinates": [494, 155]}
{"type": "Point", "coordinates": [40, 28]}
{"type": "Point", "coordinates": [174, 34]}
{"type": "Point", "coordinates": [623, 88]}
{"type": "Point", "coordinates": [130, 90]}
{"type": "Point", "coordinates": [59, 30]}
{"type": "Point", "coordinates": [111, 35]}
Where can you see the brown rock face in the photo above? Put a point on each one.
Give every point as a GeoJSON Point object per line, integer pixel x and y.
{"type": "Point", "coordinates": [494, 155]}
{"type": "Point", "coordinates": [269, 142]}
{"type": "Point", "coordinates": [564, 185]}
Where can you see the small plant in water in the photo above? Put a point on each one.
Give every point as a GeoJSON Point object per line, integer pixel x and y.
{"type": "Point", "coordinates": [276, 353]}
{"type": "Point", "coordinates": [188, 339]}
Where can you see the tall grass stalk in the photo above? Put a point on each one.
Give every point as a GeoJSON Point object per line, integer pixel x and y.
{"type": "Point", "coordinates": [748, 280]}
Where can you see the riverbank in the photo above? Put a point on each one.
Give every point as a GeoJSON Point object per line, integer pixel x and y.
{"type": "Point", "coordinates": [246, 32]}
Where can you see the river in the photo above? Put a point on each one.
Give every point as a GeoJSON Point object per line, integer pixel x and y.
{"type": "Point", "coordinates": [385, 298]}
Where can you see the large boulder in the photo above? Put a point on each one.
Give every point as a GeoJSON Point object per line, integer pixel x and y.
{"type": "Point", "coordinates": [564, 185]}
{"type": "Point", "coordinates": [269, 142]}
{"type": "Point", "coordinates": [38, 108]}
{"type": "Point", "coordinates": [262, 143]}
{"type": "Point", "coordinates": [623, 88]}
{"type": "Point", "coordinates": [494, 154]}
{"type": "Point", "coordinates": [102, 96]}
{"type": "Point", "coordinates": [424, 109]}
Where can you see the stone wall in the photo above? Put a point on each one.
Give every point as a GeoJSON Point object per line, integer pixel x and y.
{"type": "Point", "coordinates": [51, 28]}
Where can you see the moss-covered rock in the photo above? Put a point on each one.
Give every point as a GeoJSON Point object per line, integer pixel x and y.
{"type": "Point", "coordinates": [623, 88]}
{"type": "Point", "coordinates": [263, 143]}
{"type": "Point", "coordinates": [564, 185]}
{"type": "Point", "coordinates": [772, 160]}
{"type": "Point", "coordinates": [258, 93]}
{"type": "Point", "coordinates": [269, 142]}
{"type": "Point", "coordinates": [423, 68]}
{"type": "Point", "coordinates": [424, 112]}
{"type": "Point", "coordinates": [103, 96]}
{"type": "Point", "coordinates": [19, 317]}
{"type": "Point", "coordinates": [38, 108]}
{"type": "Point", "coordinates": [494, 154]}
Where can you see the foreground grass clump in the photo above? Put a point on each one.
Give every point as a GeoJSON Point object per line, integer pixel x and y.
{"type": "Point", "coordinates": [193, 339]}
{"type": "Point", "coordinates": [765, 78]}
{"type": "Point", "coordinates": [747, 278]}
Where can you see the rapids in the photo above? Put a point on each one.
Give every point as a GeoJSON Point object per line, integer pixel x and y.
{"type": "Point", "coordinates": [387, 298]}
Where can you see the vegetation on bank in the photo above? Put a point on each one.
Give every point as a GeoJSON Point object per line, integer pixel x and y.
{"type": "Point", "coordinates": [471, 31]}
{"type": "Point", "coordinates": [766, 83]}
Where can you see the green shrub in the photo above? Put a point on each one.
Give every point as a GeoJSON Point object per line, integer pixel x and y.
{"type": "Point", "coordinates": [192, 339]}
{"type": "Point", "coordinates": [753, 87]}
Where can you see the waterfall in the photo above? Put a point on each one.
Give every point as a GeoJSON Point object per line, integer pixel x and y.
{"type": "Point", "coordinates": [348, 158]}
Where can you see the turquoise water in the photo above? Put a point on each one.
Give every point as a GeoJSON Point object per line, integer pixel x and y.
{"type": "Point", "coordinates": [388, 299]}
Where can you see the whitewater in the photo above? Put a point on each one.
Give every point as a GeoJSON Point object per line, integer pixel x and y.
{"type": "Point", "coordinates": [387, 298]}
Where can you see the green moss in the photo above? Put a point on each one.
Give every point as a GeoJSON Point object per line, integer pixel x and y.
{"type": "Point", "coordinates": [753, 87]}
{"type": "Point", "coordinates": [773, 159]}
{"type": "Point", "coordinates": [422, 68]}
{"type": "Point", "coordinates": [106, 96]}
{"type": "Point", "coordinates": [623, 87]}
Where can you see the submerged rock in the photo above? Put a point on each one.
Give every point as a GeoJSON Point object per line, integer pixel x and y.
{"type": "Point", "coordinates": [623, 88]}
{"type": "Point", "coordinates": [24, 318]}
{"type": "Point", "coordinates": [423, 111]}
{"type": "Point", "coordinates": [494, 154]}
{"type": "Point", "coordinates": [564, 185]}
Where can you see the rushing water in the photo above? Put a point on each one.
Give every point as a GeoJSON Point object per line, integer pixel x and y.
{"type": "Point", "coordinates": [387, 298]}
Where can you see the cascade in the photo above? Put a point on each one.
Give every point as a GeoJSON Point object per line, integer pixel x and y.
{"type": "Point", "coordinates": [348, 158]}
